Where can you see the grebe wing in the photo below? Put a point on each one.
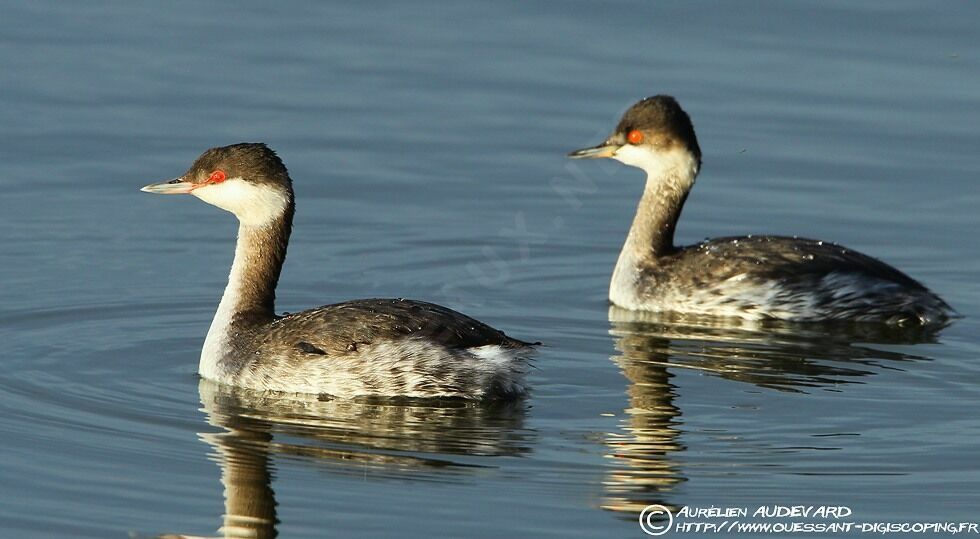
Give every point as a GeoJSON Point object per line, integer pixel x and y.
{"type": "Point", "coordinates": [340, 328]}
{"type": "Point", "coordinates": [780, 258]}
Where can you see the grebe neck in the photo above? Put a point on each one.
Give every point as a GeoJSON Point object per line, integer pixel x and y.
{"type": "Point", "coordinates": [668, 183]}
{"type": "Point", "coordinates": [250, 297]}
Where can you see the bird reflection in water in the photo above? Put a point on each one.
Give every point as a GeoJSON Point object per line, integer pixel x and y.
{"type": "Point", "coordinates": [409, 439]}
{"type": "Point", "coordinates": [786, 357]}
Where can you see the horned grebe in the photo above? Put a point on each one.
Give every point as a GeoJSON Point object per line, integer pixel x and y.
{"type": "Point", "coordinates": [753, 277]}
{"type": "Point", "coordinates": [370, 347]}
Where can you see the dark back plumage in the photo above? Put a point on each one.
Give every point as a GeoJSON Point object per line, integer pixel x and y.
{"type": "Point", "coordinates": [815, 280]}
{"type": "Point", "coordinates": [340, 328]}
{"type": "Point", "coordinates": [780, 259]}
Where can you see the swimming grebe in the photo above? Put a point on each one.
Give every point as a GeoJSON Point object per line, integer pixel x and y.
{"type": "Point", "coordinates": [753, 277]}
{"type": "Point", "coordinates": [369, 347]}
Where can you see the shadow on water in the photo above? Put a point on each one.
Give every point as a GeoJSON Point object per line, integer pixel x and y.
{"type": "Point", "coordinates": [419, 440]}
{"type": "Point", "coordinates": [783, 357]}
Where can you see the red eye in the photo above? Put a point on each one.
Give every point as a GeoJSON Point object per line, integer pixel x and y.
{"type": "Point", "coordinates": [217, 176]}
{"type": "Point", "coordinates": [635, 136]}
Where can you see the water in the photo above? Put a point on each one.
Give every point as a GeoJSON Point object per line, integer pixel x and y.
{"type": "Point", "coordinates": [427, 144]}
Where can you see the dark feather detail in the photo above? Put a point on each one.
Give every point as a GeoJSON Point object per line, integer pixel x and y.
{"type": "Point", "coordinates": [770, 258]}
{"type": "Point", "coordinates": [310, 349]}
{"type": "Point", "coordinates": [340, 327]}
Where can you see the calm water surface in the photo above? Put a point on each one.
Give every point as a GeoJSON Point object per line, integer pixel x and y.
{"type": "Point", "coordinates": [426, 142]}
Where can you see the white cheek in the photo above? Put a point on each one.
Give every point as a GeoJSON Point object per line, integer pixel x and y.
{"type": "Point", "coordinates": [252, 204]}
{"type": "Point", "coordinates": [635, 157]}
{"type": "Point", "coordinates": [657, 163]}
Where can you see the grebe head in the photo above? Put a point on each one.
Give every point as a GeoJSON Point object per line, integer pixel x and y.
{"type": "Point", "coordinates": [654, 134]}
{"type": "Point", "coordinates": [247, 179]}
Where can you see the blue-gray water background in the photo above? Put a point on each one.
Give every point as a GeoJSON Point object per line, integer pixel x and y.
{"type": "Point", "coordinates": [426, 141]}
